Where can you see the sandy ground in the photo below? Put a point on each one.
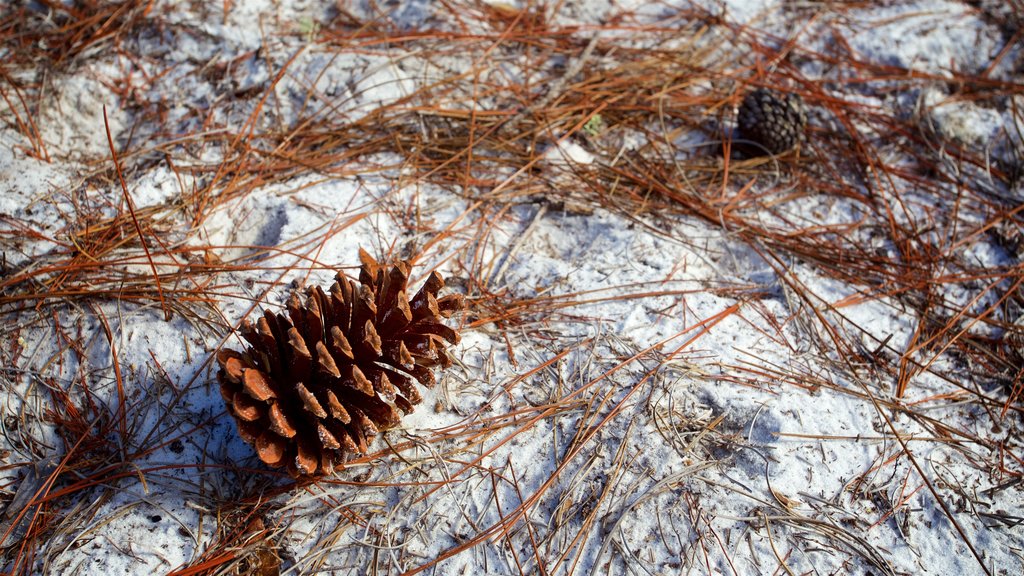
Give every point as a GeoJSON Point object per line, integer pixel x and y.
{"type": "Point", "coordinates": [674, 359]}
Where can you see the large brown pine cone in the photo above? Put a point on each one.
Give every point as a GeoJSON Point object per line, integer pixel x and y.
{"type": "Point", "coordinates": [314, 385]}
{"type": "Point", "coordinates": [774, 121]}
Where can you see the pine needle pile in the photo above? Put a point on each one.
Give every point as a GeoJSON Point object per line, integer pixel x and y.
{"type": "Point", "coordinates": [318, 382]}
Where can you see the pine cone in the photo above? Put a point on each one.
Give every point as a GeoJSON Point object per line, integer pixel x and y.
{"type": "Point", "coordinates": [314, 385]}
{"type": "Point", "coordinates": [774, 121]}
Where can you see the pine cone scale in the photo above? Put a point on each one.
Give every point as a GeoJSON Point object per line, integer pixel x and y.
{"type": "Point", "coordinates": [232, 363]}
{"type": "Point", "coordinates": [363, 308]}
{"type": "Point", "coordinates": [340, 346]}
{"type": "Point", "coordinates": [256, 385]}
{"type": "Point", "coordinates": [398, 316]}
{"type": "Point", "coordinates": [309, 401]}
{"type": "Point", "coordinates": [404, 385]}
{"type": "Point", "coordinates": [381, 384]}
{"type": "Point", "coordinates": [246, 407]}
{"type": "Point", "coordinates": [271, 448]}
{"type": "Point", "coordinates": [354, 379]}
{"type": "Point", "coordinates": [300, 360]}
{"type": "Point", "coordinates": [279, 423]}
{"type": "Point", "coordinates": [371, 340]}
{"type": "Point", "coordinates": [449, 305]}
{"type": "Point", "coordinates": [339, 309]}
{"type": "Point", "coordinates": [307, 459]}
{"type": "Point", "coordinates": [432, 329]}
{"type": "Point", "coordinates": [327, 439]}
{"type": "Point", "coordinates": [404, 405]}
{"type": "Point", "coordinates": [397, 354]}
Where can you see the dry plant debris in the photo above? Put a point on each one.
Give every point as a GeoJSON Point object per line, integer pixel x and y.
{"type": "Point", "coordinates": [677, 359]}
{"type": "Point", "coordinates": [316, 384]}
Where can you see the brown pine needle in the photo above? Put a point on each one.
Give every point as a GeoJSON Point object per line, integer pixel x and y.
{"type": "Point", "coordinates": [135, 221]}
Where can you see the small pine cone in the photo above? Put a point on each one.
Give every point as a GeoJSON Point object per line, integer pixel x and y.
{"type": "Point", "coordinates": [774, 121]}
{"type": "Point", "coordinates": [314, 385]}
